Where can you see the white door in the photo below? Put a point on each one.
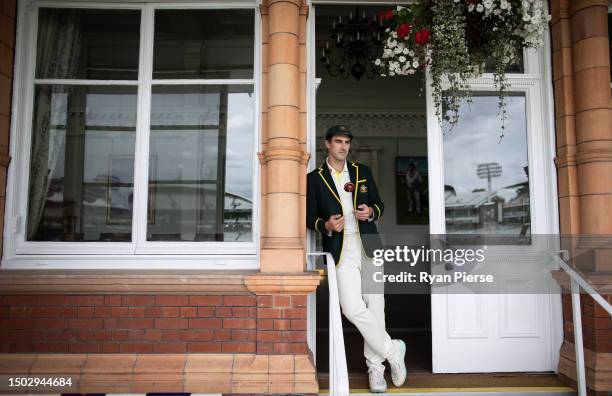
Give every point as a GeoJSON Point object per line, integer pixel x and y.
{"type": "Point", "coordinates": [520, 328]}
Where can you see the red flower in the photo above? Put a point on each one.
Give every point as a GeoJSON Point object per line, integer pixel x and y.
{"type": "Point", "coordinates": [403, 30]}
{"type": "Point", "coordinates": [422, 36]}
{"type": "Point", "coordinates": [385, 15]}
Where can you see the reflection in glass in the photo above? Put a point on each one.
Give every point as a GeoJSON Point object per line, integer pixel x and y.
{"type": "Point", "coordinates": [81, 165]}
{"type": "Point", "coordinates": [88, 44]}
{"type": "Point", "coordinates": [201, 163]}
{"type": "Point", "coordinates": [203, 44]}
{"type": "Point", "coordinates": [486, 180]}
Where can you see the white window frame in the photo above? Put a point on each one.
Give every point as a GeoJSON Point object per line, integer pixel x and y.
{"type": "Point", "coordinates": [139, 253]}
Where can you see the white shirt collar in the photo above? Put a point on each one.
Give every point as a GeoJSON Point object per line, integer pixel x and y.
{"type": "Point", "coordinates": [332, 170]}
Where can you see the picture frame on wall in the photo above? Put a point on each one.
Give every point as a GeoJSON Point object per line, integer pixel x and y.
{"type": "Point", "coordinates": [120, 189]}
{"type": "Point", "coordinates": [412, 190]}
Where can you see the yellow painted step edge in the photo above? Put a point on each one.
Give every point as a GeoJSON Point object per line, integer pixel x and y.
{"type": "Point", "coordinates": [494, 389]}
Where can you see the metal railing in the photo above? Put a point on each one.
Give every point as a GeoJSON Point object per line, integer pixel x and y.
{"type": "Point", "coordinates": [338, 373]}
{"type": "Point", "coordinates": [576, 282]}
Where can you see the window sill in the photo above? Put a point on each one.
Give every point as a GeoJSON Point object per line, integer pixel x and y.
{"type": "Point", "coordinates": [124, 281]}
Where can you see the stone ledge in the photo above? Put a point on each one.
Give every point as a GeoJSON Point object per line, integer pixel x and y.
{"type": "Point", "coordinates": [189, 373]}
{"type": "Point", "coordinates": [123, 282]}
{"type": "Point", "coordinates": [598, 366]}
{"type": "Point", "coordinates": [601, 282]}
{"type": "Point", "coordinates": [283, 283]}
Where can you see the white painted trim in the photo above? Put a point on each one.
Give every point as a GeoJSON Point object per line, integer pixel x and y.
{"type": "Point", "coordinates": [19, 253]}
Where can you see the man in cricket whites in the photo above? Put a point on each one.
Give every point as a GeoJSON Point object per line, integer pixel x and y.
{"type": "Point", "coordinates": [343, 205]}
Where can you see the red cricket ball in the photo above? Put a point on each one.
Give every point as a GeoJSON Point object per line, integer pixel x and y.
{"type": "Point", "coordinates": [349, 187]}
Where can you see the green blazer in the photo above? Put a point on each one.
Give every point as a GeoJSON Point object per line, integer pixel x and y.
{"type": "Point", "coordinates": [323, 201]}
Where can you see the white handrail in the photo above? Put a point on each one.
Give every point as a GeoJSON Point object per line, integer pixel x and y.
{"type": "Point", "coordinates": [338, 373]}
{"type": "Point", "coordinates": [576, 282]}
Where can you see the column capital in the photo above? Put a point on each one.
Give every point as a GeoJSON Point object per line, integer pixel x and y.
{"type": "Point", "coordinates": [288, 154]}
{"type": "Point", "coordinates": [578, 5]}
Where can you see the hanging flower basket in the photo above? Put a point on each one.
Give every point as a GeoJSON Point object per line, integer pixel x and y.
{"type": "Point", "coordinates": [454, 39]}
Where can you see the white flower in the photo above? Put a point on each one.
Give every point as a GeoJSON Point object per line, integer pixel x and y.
{"type": "Point", "coordinates": [387, 53]}
{"type": "Point", "coordinates": [497, 11]}
{"type": "Point", "coordinates": [377, 62]}
{"type": "Point", "coordinates": [471, 7]}
{"type": "Point", "coordinates": [399, 8]}
{"type": "Point", "coordinates": [415, 64]}
{"type": "Point", "coordinates": [479, 8]}
{"type": "Point", "coordinates": [402, 59]}
{"type": "Point", "coordinates": [392, 73]}
{"type": "Point", "coordinates": [387, 30]}
{"type": "Point", "coordinates": [406, 51]}
{"type": "Point", "coordinates": [397, 50]}
{"type": "Point", "coordinates": [487, 3]}
{"type": "Point", "coordinates": [503, 4]}
{"type": "Point", "coordinates": [410, 52]}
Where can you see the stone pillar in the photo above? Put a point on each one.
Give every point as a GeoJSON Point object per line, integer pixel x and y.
{"type": "Point", "coordinates": [591, 77]}
{"type": "Point", "coordinates": [581, 73]}
{"type": "Point", "coordinates": [282, 158]}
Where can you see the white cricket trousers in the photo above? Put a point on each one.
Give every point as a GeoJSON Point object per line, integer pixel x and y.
{"type": "Point", "coordinates": [365, 311]}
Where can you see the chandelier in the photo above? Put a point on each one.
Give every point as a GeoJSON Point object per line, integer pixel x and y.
{"type": "Point", "coordinates": [355, 44]}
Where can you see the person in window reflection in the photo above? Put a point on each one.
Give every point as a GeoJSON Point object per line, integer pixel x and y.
{"type": "Point", "coordinates": [342, 205]}
{"type": "Point", "coordinates": [414, 181]}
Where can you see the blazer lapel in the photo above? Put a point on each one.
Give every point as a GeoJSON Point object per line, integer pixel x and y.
{"type": "Point", "coordinates": [329, 181]}
{"type": "Point", "coordinates": [354, 174]}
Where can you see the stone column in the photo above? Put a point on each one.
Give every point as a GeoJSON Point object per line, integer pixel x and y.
{"type": "Point", "coordinates": [283, 157]}
{"type": "Point", "coordinates": [581, 73]}
{"type": "Point", "coordinates": [591, 77]}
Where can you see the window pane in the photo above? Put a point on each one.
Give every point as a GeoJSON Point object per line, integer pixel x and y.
{"type": "Point", "coordinates": [88, 44]}
{"type": "Point", "coordinates": [486, 179]}
{"type": "Point", "coordinates": [81, 166]}
{"type": "Point", "coordinates": [203, 44]}
{"type": "Point", "coordinates": [201, 163]}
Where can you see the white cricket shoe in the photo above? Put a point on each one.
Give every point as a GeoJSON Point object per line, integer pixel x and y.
{"type": "Point", "coordinates": [377, 380]}
{"type": "Point", "coordinates": [396, 361]}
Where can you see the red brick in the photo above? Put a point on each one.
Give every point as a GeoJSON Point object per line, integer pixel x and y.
{"type": "Point", "coordinates": [24, 347]}
{"type": "Point", "coordinates": [265, 348]}
{"type": "Point", "coordinates": [300, 300]}
{"type": "Point", "coordinates": [19, 300]}
{"type": "Point", "coordinates": [112, 301]}
{"type": "Point", "coordinates": [178, 335]}
{"type": "Point", "coordinates": [293, 336]}
{"type": "Point", "coordinates": [206, 323]}
{"type": "Point", "coordinates": [244, 335]}
{"type": "Point", "coordinates": [135, 323]}
{"type": "Point", "coordinates": [86, 323]}
{"type": "Point", "coordinates": [192, 312]}
{"type": "Point", "coordinates": [282, 301]}
{"type": "Point", "coordinates": [294, 313]}
{"type": "Point", "coordinates": [268, 336]}
{"type": "Point", "coordinates": [50, 347]}
{"type": "Point", "coordinates": [175, 301]}
{"type": "Point", "coordinates": [223, 312]}
{"type": "Point", "coordinates": [162, 312]}
{"type": "Point", "coordinates": [268, 313]}
{"type": "Point", "coordinates": [169, 347]}
{"type": "Point", "coordinates": [136, 347]}
{"type": "Point", "coordinates": [282, 348]}
{"type": "Point", "coordinates": [238, 323]}
{"type": "Point", "coordinates": [282, 324]}
{"type": "Point", "coordinates": [86, 312]}
{"type": "Point", "coordinates": [298, 324]}
{"type": "Point", "coordinates": [238, 347]}
{"type": "Point", "coordinates": [204, 312]}
{"type": "Point", "coordinates": [51, 323]}
{"type": "Point", "coordinates": [86, 300]}
{"type": "Point", "coordinates": [111, 347]}
{"type": "Point", "coordinates": [204, 347]}
{"type": "Point", "coordinates": [53, 300]}
{"type": "Point", "coordinates": [86, 347]}
{"type": "Point", "coordinates": [153, 335]}
{"type": "Point", "coordinates": [136, 335]}
{"type": "Point", "coordinates": [171, 323]}
{"type": "Point", "coordinates": [102, 312]}
{"type": "Point", "coordinates": [86, 335]}
{"type": "Point", "coordinates": [243, 312]}
{"type": "Point", "coordinates": [136, 312]}
{"type": "Point", "coordinates": [298, 348]}
{"type": "Point", "coordinates": [23, 335]}
{"type": "Point", "coordinates": [69, 312]}
{"type": "Point", "coordinates": [205, 300]}
{"type": "Point", "coordinates": [203, 334]}
{"type": "Point", "coordinates": [264, 301]}
{"type": "Point", "coordinates": [103, 335]}
{"type": "Point", "coordinates": [223, 334]}
{"type": "Point", "coordinates": [265, 324]}
{"type": "Point", "coordinates": [120, 335]}
{"type": "Point", "coordinates": [46, 312]}
{"type": "Point", "coordinates": [64, 335]}
{"type": "Point", "coordinates": [239, 300]}
{"type": "Point", "coordinates": [131, 301]}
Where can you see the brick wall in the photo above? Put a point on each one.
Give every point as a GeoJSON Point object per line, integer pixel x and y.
{"type": "Point", "coordinates": [596, 323]}
{"type": "Point", "coordinates": [153, 324]}
{"type": "Point", "coordinates": [7, 47]}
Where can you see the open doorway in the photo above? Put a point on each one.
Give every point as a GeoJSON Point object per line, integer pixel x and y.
{"type": "Point", "coordinates": [388, 119]}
